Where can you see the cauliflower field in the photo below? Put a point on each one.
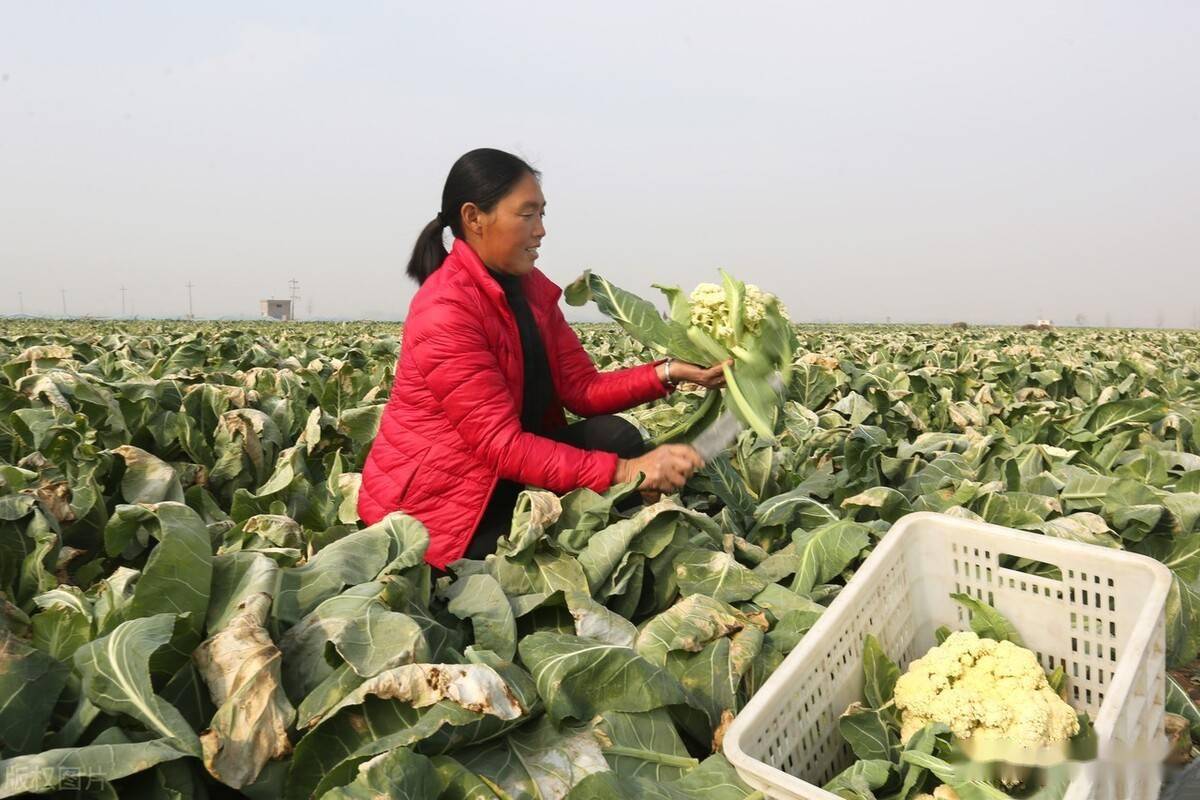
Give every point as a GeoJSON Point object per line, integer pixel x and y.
{"type": "Point", "coordinates": [191, 607]}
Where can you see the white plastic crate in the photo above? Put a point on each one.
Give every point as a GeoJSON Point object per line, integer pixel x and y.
{"type": "Point", "coordinates": [1103, 622]}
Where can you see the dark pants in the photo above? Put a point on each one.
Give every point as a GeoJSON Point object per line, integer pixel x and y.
{"type": "Point", "coordinates": [609, 433]}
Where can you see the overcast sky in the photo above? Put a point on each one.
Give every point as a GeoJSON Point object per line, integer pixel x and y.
{"type": "Point", "coordinates": [865, 161]}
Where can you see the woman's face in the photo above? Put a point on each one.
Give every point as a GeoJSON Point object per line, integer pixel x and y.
{"type": "Point", "coordinates": [507, 238]}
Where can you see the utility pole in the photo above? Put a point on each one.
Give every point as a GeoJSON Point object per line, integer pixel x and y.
{"type": "Point", "coordinates": [294, 286]}
{"type": "Point", "coordinates": [122, 300]}
{"type": "Point", "coordinates": [63, 292]}
{"type": "Point", "coordinates": [191, 315]}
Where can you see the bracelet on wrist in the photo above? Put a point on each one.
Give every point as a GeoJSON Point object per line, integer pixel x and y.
{"type": "Point", "coordinates": [668, 380]}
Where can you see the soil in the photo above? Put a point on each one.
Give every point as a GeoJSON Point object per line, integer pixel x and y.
{"type": "Point", "coordinates": [1189, 678]}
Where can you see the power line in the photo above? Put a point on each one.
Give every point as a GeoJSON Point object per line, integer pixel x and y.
{"type": "Point", "coordinates": [294, 287]}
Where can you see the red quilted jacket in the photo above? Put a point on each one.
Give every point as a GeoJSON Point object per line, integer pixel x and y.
{"type": "Point", "coordinates": [452, 426]}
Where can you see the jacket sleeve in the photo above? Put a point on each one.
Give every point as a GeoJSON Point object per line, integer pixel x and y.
{"type": "Point", "coordinates": [586, 391]}
{"type": "Point", "coordinates": [449, 349]}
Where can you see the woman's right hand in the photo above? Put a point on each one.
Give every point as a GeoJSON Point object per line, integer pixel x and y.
{"type": "Point", "coordinates": [666, 468]}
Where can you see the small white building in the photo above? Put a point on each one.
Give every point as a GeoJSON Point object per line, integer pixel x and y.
{"type": "Point", "coordinates": [276, 309]}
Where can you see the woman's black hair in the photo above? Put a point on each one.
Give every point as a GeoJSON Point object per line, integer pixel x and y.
{"type": "Point", "coordinates": [482, 177]}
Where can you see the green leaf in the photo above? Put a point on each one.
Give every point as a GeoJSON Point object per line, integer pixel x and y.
{"type": "Point", "coordinates": [880, 674]}
{"type": "Point", "coordinates": [1126, 412]}
{"type": "Point", "coordinates": [791, 627]}
{"type": "Point", "coordinates": [1179, 702]}
{"type": "Point", "coordinates": [888, 503]}
{"type": "Point", "coordinates": [677, 300]}
{"type": "Point", "coordinates": [381, 639]}
{"type": "Point", "coordinates": [752, 400]}
{"type": "Point", "coordinates": [648, 532]}
{"type": "Point", "coordinates": [579, 678]}
{"type": "Point", "coordinates": [712, 679]}
{"type": "Point", "coordinates": [987, 622]}
{"type": "Point", "coordinates": [689, 625]}
{"type": "Point", "coordinates": [50, 768]}
{"type": "Point", "coordinates": [30, 683]}
{"type": "Point", "coordinates": [476, 687]}
{"type": "Point", "coordinates": [398, 774]}
{"type": "Point", "coordinates": [811, 385]}
{"type": "Point", "coordinates": [147, 479]}
{"type": "Point", "coordinates": [1183, 510]}
{"type": "Point", "coordinates": [857, 781]}
{"type": "Point", "coordinates": [1056, 679]}
{"type": "Point", "coordinates": [716, 779]}
{"type": "Point", "coordinates": [582, 512]}
{"type": "Point", "coordinates": [729, 486]}
{"type": "Point", "coordinates": [594, 621]}
{"type": "Point", "coordinates": [826, 551]}
{"type": "Point", "coordinates": [499, 766]}
{"type": "Point", "coordinates": [1183, 623]}
{"type": "Point", "coordinates": [716, 574]}
{"type": "Point", "coordinates": [480, 599]}
{"type": "Point", "coordinates": [357, 558]}
{"type": "Point", "coordinates": [116, 677]}
{"type": "Point", "coordinates": [1082, 526]}
{"type": "Point", "coordinates": [699, 418]}
{"type": "Point", "coordinates": [59, 629]}
{"type": "Point", "coordinates": [1181, 555]}
{"type": "Point", "coordinates": [460, 783]}
{"type": "Point", "coordinates": [923, 741]}
{"type": "Point", "coordinates": [235, 577]}
{"type": "Point", "coordinates": [557, 758]}
{"type": "Point", "coordinates": [304, 644]}
{"type": "Point", "coordinates": [639, 318]}
{"type": "Point", "coordinates": [368, 725]}
{"type": "Point", "coordinates": [783, 508]}
{"type": "Point", "coordinates": [643, 745]}
{"type": "Point", "coordinates": [177, 577]}
{"type": "Point", "coordinates": [868, 733]}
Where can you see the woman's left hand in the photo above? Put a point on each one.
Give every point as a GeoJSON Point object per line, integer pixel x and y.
{"type": "Point", "coordinates": [709, 377]}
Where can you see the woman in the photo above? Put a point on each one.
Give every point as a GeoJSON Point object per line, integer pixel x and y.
{"type": "Point", "coordinates": [487, 364]}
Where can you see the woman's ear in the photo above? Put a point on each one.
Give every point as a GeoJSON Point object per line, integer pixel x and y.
{"type": "Point", "coordinates": [472, 219]}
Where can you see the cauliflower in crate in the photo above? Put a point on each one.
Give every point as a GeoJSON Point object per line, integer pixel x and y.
{"type": "Point", "coordinates": [973, 714]}
{"type": "Point", "coordinates": [988, 693]}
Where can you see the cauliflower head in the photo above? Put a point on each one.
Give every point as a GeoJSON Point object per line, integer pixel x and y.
{"type": "Point", "coordinates": [943, 792]}
{"type": "Point", "coordinates": [711, 313]}
{"type": "Point", "coordinates": [987, 692]}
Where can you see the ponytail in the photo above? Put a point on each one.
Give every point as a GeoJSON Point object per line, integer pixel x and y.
{"type": "Point", "coordinates": [482, 177]}
{"type": "Point", "coordinates": [429, 251]}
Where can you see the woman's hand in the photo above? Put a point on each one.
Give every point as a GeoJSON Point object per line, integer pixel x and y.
{"type": "Point", "coordinates": [666, 468]}
{"type": "Point", "coordinates": [709, 377]}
